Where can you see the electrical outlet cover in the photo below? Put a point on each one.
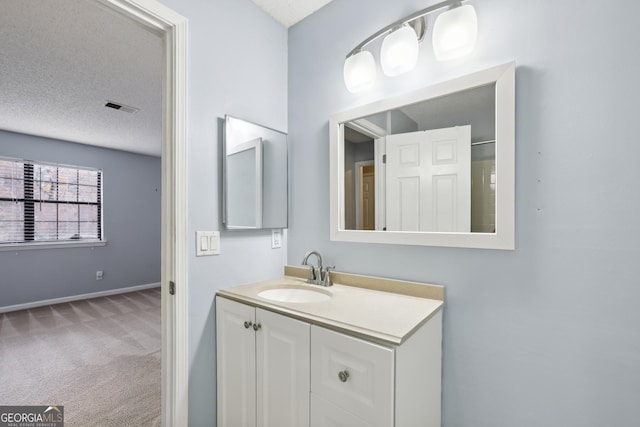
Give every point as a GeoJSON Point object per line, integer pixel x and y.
{"type": "Point", "coordinates": [276, 238]}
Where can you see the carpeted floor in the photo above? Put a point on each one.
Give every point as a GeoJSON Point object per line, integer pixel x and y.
{"type": "Point", "coordinates": [99, 358]}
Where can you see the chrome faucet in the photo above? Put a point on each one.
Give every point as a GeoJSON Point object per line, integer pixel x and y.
{"type": "Point", "coordinates": [314, 276]}
{"type": "Point", "coordinates": [317, 275]}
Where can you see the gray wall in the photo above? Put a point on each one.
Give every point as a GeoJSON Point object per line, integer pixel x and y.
{"type": "Point", "coordinates": [401, 123]}
{"type": "Point", "coordinates": [546, 335]}
{"type": "Point", "coordinates": [237, 65]}
{"type": "Point", "coordinates": [131, 184]}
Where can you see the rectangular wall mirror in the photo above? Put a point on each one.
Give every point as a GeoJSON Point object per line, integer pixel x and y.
{"type": "Point", "coordinates": [432, 167]}
{"type": "Point", "coordinates": [255, 193]}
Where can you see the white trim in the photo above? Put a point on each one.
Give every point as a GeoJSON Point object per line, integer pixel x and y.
{"type": "Point", "coordinates": [504, 237]}
{"type": "Point", "coordinates": [380, 151]}
{"type": "Point", "coordinates": [175, 231]}
{"type": "Point", "coordinates": [368, 128]}
{"type": "Point", "coordinates": [50, 245]}
{"type": "Point", "coordinates": [53, 301]}
{"type": "Point", "coordinates": [172, 28]}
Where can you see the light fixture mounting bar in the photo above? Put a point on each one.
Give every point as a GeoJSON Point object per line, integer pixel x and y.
{"type": "Point", "coordinates": [403, 21]}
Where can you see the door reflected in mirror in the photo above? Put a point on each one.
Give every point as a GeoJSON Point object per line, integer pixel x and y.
{"type": "Point", "coordinates": [425, 167]}
{"type": "Point", "coordinates": [431, 167]}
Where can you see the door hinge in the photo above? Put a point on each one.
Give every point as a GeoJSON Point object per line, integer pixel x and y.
{"type": "Point", "coordinates": [172, 288]}
{"type": "Point", "coordinates": [384, 159]}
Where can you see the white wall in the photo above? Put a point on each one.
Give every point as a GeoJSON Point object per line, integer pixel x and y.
{"type": "Point", "coordinates": [237, 65]}
{"type": "Point", "coordinates": [546, 335]}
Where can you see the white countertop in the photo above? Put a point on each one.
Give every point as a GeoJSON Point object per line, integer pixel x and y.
{"type": "Point", "coordinates": [385, 317]}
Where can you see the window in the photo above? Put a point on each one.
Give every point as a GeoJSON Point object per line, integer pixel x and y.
{"type": "Point", "coordinates": [45, 203]}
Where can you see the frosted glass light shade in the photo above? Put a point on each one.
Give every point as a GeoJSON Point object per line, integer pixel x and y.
{"type": "Point", "coordinates": [359, 71]}
{"type": "Point", "coordinates": [455, 32]}
{"type": "Point", "coordinates": [399, 52]}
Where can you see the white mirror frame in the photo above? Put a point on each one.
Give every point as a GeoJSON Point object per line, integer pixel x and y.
{"type": "Point", "coordinates": [504, 238]}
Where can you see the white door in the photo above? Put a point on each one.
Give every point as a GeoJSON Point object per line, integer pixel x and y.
{"type": "Point", "coordinates": [364, 172]}
{"type": "Point", "coordinates": [236, 363]}
{"type": "Point", "coordinates": [368, 200]}
{"type": "Point", "coordinates": [283, 354]}
{"type": "Point", "coordinates": [429, 180]}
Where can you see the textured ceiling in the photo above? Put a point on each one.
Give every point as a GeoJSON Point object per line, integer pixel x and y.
{"type": "Point", "coordinates": [289, 12]}
{"type": "Point", "coordinates": [62, 60]}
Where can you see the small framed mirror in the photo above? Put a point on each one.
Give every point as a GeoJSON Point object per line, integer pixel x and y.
{"type": "Point", "coordinates": [255, 193]}
{"type": "Point", "coordinates": [432, 167]}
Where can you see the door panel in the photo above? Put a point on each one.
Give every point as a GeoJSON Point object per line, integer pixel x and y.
{"type": "Point", "coordinates": [368, 210]}
{"type": "Point", "coordinates": [429, 180]}
{"type": "Point", "coordinates": [408, 203]}
{"type": "Point", "coordinates": [236, 364]}
{"type": "Point", "coordinates": [282, 348]}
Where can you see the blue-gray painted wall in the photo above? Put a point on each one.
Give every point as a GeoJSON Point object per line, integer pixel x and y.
{"type": "Point", "coordinates": [541, 336]}
{"type": "Point", "coordinates": [131, 213]}
{"type": "Point", "coordinates": [548, 334]}
{"type": "Point", "coordinates": [237, 65]}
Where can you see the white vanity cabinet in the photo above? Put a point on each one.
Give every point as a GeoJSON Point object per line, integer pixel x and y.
{"type": "Point", "coordinates": [350, 377]}
{"type": "Point", "coordinates": [262, 367]}
{"type": "Point", "coordinates": [362, 357]}
{"type": "Point", "coordinates": [355, 382]}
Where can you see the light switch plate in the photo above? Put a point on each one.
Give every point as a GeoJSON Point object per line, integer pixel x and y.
{"type": "Point", "coordinates": [207, 243]}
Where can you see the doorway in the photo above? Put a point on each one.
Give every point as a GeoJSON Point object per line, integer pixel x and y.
{"type": "Point", "coordinates": [174, 279]}
{"type": "Point", "coordinates": [365, 195]}
{"type": "Point", "coordinates": [169, 30]}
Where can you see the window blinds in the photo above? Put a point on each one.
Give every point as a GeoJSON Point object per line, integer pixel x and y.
{"type": "Point", "coordinates": [45, 202]}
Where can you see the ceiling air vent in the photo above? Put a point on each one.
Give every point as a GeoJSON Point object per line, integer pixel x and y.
{"type": "Point", "coordinates": [121, 107]}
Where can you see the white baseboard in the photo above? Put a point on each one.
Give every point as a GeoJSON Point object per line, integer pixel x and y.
{"type": "Point", "coordinates": [77, 297]}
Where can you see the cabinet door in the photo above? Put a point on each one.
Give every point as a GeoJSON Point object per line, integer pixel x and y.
{"type": "Point", "coordinates": [326, 414]}
{"type": "Point", "coordinates": [236, 364]}
{"type": "Point", "coordinates": [353, 374]}
{"type": "Point", "coordinates": [282, 348]}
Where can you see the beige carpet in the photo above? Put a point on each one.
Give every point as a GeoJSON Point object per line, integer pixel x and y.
{"type": "Point", "coordinates": [99, 358]}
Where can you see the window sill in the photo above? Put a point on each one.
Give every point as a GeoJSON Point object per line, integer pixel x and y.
{"type": "Point", "coordinates": [50, 245]}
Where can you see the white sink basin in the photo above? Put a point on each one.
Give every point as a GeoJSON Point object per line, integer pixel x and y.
{"type": "Point", "coordinates": [295, 294]}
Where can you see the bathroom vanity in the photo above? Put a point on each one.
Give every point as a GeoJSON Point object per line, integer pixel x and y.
{"type": "Point", "coordinates": [363, 352]}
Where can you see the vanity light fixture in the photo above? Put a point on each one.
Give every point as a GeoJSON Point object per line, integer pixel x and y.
{"type": "Point", "coordinates": [454, 35]}
{"type": "Point", "coordinates": [399, 52]}
{"type": "Point", "coordinates": [360, 71]}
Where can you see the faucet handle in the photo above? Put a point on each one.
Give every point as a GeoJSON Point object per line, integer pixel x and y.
{"type": "Point", "coordinates": [311, 278]}
{"type": "Point", "coordinates": [326, 276]}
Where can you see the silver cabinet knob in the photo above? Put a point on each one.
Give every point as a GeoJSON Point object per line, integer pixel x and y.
{"type": "Point", "coordinates": [343, 375]}
{"type": "Point", "coordinates": [247, 324]}
{"type": "Point", "coordinates": [256, 326]}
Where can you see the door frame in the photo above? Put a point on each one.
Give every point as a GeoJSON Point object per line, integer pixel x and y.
{"type": "Point", "coordinates": [172, 28]}
{"type": "Point", "coordinates": [378, 134]}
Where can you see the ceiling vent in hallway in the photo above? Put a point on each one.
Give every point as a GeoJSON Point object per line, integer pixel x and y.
{"type": "Point", "coordinates": [121, 107]}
